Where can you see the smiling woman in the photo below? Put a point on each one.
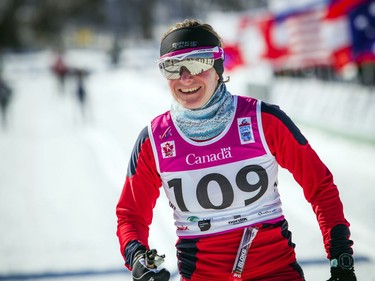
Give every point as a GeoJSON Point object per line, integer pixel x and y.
{"type": "Point", "coordinates": [216, 155]}
{"type": "Point", "coordinates": [191, 58]}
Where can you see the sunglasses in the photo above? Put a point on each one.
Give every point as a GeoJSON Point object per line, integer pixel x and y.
{"type": "Point", "coordinates": [194, 60]}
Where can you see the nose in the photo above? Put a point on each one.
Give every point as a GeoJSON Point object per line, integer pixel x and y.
{"type": "Point", "coordinates": [185, 75]}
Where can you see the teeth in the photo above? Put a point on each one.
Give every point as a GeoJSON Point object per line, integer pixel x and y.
{"type": "Point", "coordinates": [189, 90]}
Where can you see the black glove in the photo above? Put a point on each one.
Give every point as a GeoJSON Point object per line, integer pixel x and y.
{"type": "Point", "coordinates": [342, 268]}
{"type": "Point", "coordinates": [145, 267]}
{"type": "Point", "coordinates": [339, 274]}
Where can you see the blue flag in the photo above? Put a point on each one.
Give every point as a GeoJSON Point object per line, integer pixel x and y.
{"type": "Point", "coordinates": [362, 27]}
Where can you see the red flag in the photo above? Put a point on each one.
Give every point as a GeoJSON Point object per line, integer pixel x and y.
{"type": "Point", "coordinates": [341, 7]}
{"type": "Point", "coordinates": [274, 50]}
{"type": "Point", "coordinates": [233, 57]}
{"type": "Point", "coordinates": [341, 57]}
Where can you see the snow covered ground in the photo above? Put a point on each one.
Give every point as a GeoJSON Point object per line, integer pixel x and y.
{"type": "Point", "coordinates": [61, 173]}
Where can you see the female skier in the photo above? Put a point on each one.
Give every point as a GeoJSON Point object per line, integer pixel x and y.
{"type": "Point", "coordinates": [217, 155]}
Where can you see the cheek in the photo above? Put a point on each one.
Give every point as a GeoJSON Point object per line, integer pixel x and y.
{"type": "Point", "coordinates": [171, 84]}
{"type": "Point", "coordinates": [209, 75]}
{"type": "Point", "coordinates": [211, 79]}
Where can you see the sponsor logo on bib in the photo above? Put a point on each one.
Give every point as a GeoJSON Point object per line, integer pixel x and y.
{"type": "Point", "coordinates": [194, 159]}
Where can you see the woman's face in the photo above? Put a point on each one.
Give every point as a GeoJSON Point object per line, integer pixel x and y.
{"type": "Point", "coordinates": [194, 91]}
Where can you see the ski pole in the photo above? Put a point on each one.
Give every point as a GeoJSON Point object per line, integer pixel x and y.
{"type": "Point", "coordinates": [248, 236]}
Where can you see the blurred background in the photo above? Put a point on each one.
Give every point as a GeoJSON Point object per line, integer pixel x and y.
{"type": "Point", "coordinates": [328, 39]}
{"type": "Point", "coordinates": [79, 80]}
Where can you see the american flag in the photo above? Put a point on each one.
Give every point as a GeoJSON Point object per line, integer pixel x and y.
{"type": "Point", "coordinates": [296, 39]}
{"type": "Point", "coordinates": [335, 34]}
{"type": "Point", "coordinates": [305, 40]}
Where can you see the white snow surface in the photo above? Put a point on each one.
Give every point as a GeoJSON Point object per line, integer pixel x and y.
{"type": "Point", "coordinates": [61, 172]}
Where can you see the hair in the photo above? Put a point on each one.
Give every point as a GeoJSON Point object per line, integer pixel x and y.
{"type": "Point", "coordinates": [193, 23]}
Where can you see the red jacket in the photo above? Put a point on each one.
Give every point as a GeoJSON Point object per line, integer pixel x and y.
{"type": "Point", "coordinates": [291, 150]}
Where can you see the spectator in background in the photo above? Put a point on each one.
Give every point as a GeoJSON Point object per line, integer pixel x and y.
{"type": "Point", "coordinates": [60, 70]}
{"type": "Point", "coordinates": [5, 98]}
{"type": "Point", "coordinates": [80, 75]}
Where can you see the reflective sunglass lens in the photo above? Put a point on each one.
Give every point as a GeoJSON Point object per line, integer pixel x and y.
{"type": "Point", "coordinates": [171, 68]}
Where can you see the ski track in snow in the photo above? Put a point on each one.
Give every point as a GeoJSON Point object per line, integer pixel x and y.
{"type": "Point", "coordinates": [62, 173]}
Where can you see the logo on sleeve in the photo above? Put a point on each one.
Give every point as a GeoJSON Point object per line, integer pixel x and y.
{"type": "Point", "coordinates": [245, 130]}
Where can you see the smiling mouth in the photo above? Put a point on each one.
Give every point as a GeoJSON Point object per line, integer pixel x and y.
{"type": "Point", "coordinates": [190, 90]}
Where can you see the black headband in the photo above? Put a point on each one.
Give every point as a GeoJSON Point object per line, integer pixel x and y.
{"type": "Point", "coordinates": [188, 37]}
{"type": "Point", "coordinates": [191, 37]}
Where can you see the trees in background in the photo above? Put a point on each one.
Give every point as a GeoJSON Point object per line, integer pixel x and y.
{"type": "Point", "coordinates": [28, 24]}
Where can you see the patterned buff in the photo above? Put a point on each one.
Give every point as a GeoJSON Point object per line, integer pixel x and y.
{"type": "Point", "coordinates": [207, 121]}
